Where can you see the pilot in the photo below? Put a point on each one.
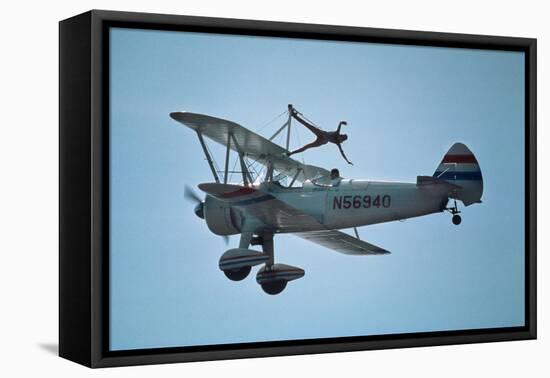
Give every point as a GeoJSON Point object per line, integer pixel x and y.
{"type": "Point", "coordinates": [335, 177]}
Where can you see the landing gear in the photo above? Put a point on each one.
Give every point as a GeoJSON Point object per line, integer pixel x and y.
{"type": "Point", "coordinates": [273, 278]}
{"type": "Point", "coordinates": [457, 219]}
{"type": "Point", "coordinates": [237, 274]}
{"type": "Point", "coordinates": [256, 240]}
{"type": "Point", "coordinates": [274, 287]}
{"type": "Point", "coordinates": [237, 263]}
{"type": "Point", "coordinates": [271, 287]}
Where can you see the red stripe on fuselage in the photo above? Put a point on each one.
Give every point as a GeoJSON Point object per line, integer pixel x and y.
{"type": "Point", "coordinates": [459, 159]}
{"type": "Point", "coordinates": [240, 192]}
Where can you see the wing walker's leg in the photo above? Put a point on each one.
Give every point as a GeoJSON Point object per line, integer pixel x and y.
{"type": "Point", "coordinates": [208, 158]}
{"type": "Point", "coordinates": [316, 143]}
{"type": "Point", "coordinates": [318, 132]}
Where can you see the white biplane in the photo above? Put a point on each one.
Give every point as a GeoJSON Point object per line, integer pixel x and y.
{"type": "Point", "coordinates": [290, 197]}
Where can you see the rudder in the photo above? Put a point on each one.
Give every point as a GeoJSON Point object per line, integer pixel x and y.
{"type": "Point", "coordinates": [460, 167]}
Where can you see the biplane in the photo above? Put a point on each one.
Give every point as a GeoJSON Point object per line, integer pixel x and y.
{"type": "Point", "coordinates": [288, 196]}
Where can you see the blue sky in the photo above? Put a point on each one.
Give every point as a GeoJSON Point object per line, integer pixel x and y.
{"type": "Point", "coordinates": [405, 106]}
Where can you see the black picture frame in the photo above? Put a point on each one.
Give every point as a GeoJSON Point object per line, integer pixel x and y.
{"type": "Point", "coordinates": [84, 196]}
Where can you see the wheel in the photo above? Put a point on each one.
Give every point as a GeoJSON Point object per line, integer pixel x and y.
{"type": "Point", "coordinates": [274, 287]}
{"type": "Point", "coordinates": [456, 219]}
{"type": "Point", "coordinates": [237, 274]}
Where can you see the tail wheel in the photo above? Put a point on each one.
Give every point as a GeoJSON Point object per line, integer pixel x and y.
{"type": "Point", "coordinates": [237, 274]}
{"type": "Point", "coordinates": [274, 287]}
{"type": "Point", "coordinates": [454, 210]}
{"type": "Point", "coordinates": [456, 219]}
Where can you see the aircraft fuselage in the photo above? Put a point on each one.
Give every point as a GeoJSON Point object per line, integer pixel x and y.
{"type": "Point", "coordinates": [356, 203]}
{"type": "Point", "coordinates": [350, 203]}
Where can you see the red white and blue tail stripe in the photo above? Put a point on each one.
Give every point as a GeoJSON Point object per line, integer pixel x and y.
{"type": "Point", "coordinates": [460, 167]}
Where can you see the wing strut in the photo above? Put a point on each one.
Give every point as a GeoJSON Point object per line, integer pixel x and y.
{"type": "Point", "coordinates": [287, 126]}
{"type": "Point", "coordinates": [295, 177]}
{"type": "Point", "coordinates": [225, 175]}
{"type": "Point", "coordinates": [247, 178]}
{"type": "Point", "coordinates": [269, 172]}
{"type": "Point", "coordinates": [288, 129]}
{"type": "Point", "coordinates": [208, 157]}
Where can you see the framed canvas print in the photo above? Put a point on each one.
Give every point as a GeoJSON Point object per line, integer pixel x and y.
{"type": "Point", "coordinates": [234, 188]}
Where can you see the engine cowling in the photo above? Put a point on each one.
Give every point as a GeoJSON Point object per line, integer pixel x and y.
{"type": "Point", "coordinates": [274, 279]}
{"type": "Point", "coordinates": [236, 263]}
{"type": "Point", "coordinates": [221, 218]}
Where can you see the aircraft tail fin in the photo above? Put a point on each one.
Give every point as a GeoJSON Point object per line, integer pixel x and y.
{"type": "Point", "coordinates": [460, 167]}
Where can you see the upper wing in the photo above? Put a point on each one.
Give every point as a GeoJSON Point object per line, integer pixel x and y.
{"type": "Point", "coordinates": [341, 242]}
{"type": "Point", "coordinates": [251, 144]}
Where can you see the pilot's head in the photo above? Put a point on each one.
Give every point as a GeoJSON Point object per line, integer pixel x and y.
{"type": "Point", "coordinates": [334, 173]}
{"type": "Point", "coordinates": [343, 137]}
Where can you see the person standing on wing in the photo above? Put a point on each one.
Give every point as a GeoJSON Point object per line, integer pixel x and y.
{"type": "Point", "coordinates": [323, 137]}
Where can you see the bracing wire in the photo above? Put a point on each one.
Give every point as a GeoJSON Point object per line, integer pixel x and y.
{"type": "Point", "coordinates": [247, 167]}
{"type": "Point", "coordinates": [216, 167]}
{"type": "Point", "coordinates": [253, 167]}
{"type": "Point", "coordinates": [273, 120]}
{"type": "Point", "coordinates": [232, 170]}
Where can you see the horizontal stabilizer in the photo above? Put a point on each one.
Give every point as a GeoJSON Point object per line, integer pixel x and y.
{"type": "Point", "coordinates": [430, 180]}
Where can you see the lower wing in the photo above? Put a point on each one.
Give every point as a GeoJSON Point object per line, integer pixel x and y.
{"type": "Point", "coordinates": [341, 242]}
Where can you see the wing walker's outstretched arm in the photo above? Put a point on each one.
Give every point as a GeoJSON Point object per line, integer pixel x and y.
{"type": "Point", "coordinates": [343, 154]}
{"type": "Point", "coordinates": [340, 126]}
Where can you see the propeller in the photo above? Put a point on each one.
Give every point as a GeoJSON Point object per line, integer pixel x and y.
{"type": "Point", "coordinates": [192, 196]}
